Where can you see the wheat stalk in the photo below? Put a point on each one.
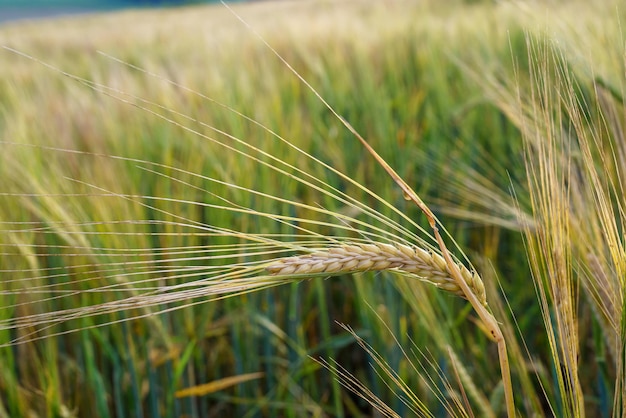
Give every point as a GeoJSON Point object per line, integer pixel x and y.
{"type": "Point", "coordinates": [348, 258]}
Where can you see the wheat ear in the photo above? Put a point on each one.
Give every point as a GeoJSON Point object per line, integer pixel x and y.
{"type": "Point", "coordinates": [348, 258]}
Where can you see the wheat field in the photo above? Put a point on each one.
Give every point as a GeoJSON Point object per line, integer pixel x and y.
{"type": "Point", "coordinates": [190, 225]}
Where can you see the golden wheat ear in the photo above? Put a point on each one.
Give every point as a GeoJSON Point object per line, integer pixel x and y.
{"type": "Point", "coordinates": [326, 260]}
{"type": "Point", "coordinates": [350, 258]}
{"type": "Point", "coordinates": [455, 271]}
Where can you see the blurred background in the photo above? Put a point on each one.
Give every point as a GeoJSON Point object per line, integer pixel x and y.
{"type": "Point", "coordinates": [12, 10]}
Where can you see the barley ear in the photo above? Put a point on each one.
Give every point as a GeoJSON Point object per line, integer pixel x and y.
{"type": "Point", "coordinates": [352, 258]}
